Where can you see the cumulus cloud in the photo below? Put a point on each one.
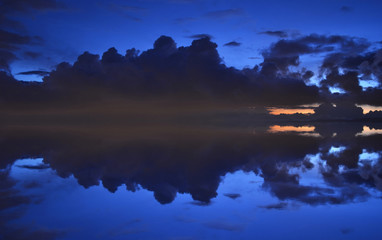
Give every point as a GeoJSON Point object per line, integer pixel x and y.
{"type": "Point", "coordinates": [191, 73]}
{"type": "Point", "coordinates": [197, 73]}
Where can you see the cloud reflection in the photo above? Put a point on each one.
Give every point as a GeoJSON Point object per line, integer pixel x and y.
{"type": "Point", "coordinates": [195, 162]}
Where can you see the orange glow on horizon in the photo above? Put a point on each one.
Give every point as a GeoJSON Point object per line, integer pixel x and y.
{"type": "Point", "coordinates": [278, 111]}
{"type": "Point", "coordinates": [278, 128]}
{"type": "Point", "coordinates": [367, 108]}
{"type": "Point", "coordinates": [367, 131]}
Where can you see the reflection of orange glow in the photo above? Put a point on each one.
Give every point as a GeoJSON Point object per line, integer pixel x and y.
{"type": "Point", "coordinates": [369, 131]}
{"type": "Point", "coordinates": [367, 108]}
{"type": "Point", "coordinates": [278, 111]}
{"type": "Point", "coordinates": [278, 128]}
{"type": "Point", "coordinates": [310, 134]}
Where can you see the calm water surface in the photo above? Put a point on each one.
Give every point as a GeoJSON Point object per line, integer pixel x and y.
{"type": "Point", "coordinates": [320, 181]}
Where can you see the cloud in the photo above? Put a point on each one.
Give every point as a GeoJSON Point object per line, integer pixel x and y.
{"type": "Point", "coordinates": [155, 74]}
{"type": "Point", "coordinates": [9, 43]}
{"type": "Point", "coordinates": [194, 162]}
{"type": "Point", "coordinates": [232, 44]}
{"type": "Point", "coordinates": [276, 206]}
{"type": "Point", "coordinates": [340, 52]}
{"type": "Point", "coordinates": [315, 43]}
{"type": "Point", "coordinates": [280, 34]}
{"type": "Point", "coordinates": [200, 203]}
{"type": "Point", "coordinates": [197, 73]}
{"type": "Point", "coordinates": [232, 12]}
{"type": "Point", "coordinates": [12, 201]}
{"type": "Point", "coordinates": [36, 72]}
{"type": "Point", "coordinates": [13, 39]}
{"type": "Point", "coordinates": [201, 35]}
{"type": "Point", "coordinates": [343, 110]}
{"type": "Point", "coordinates": [232, 195]}
{"type": "Point", "coordinates": [34, 167]}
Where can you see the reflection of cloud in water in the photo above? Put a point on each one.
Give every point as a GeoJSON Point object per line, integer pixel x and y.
{"type": "Point", "coordinates": [278, 111]}
{"type": "Point", "coordinates": [197, 163]}
{"type": "Point", "coordinates": [13, 205]}
{"type": "Point", "coordinates": [278, 128]}
{"type": "Point", "coordinates": [367, 131]}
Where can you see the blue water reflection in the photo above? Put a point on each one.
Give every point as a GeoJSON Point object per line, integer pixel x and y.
{"type": "Point", "coordinates": [216, 186]}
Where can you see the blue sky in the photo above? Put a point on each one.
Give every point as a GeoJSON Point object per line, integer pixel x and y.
{"type": "Point", "coordinates": [77, 26]}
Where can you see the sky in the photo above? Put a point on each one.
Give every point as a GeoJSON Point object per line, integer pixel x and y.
{"type": "Point", "coordinates": [283, 52]}
{"type": "Point", "coordinates": [65, 29]}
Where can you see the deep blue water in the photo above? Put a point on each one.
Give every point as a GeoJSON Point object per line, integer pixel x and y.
{"type": "Point", "coordinates": [251, 184]}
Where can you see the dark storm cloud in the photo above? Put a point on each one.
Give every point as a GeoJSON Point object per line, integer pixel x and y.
{"type": "Point", "coordinates": [280, 34]}
{"type": "Point", "coordinates": [232, 12]}
{"type": "Point", "coordinates": [166, 71]}
{"type": "Point", "coordinates": [197, 72]}
{"type": "Point", "coordinates": [232, 44]}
